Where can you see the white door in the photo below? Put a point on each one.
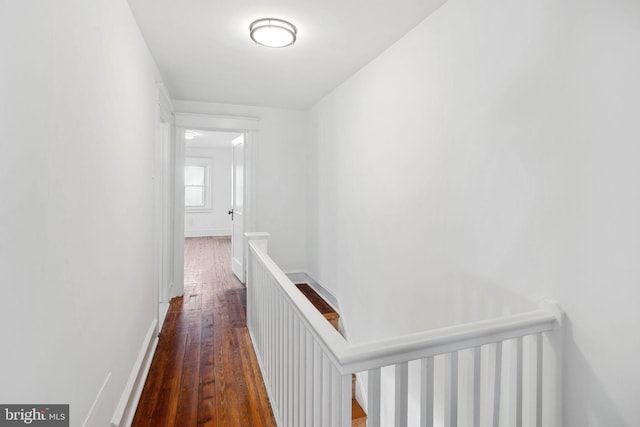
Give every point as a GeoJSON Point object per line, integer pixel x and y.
{"type": "Point", "coordinates": [237, 208]}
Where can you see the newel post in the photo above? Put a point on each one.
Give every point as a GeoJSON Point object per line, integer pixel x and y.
{"type": "Point", "coordinates": [259, 239]}
{"type": "Point", "coordinates": [553, 377]}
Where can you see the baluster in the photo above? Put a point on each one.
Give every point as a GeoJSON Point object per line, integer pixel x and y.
{"type": "Point", "coordinates": [426, 392]}
{"type": "Point", "coordinates": [519, 374]}
{"type": "Point", "coordinates": [281, 365]}
{"type": "Point", "coordinates": [373, 393]}
{"type": "Point", "coordinates": [336, 396]}
{"type": "Point", "coordinates": [538, 339]}
{"type": "Point", "coordinates": [302, 374]}
{"type": "Point", "coordinates": [286, 402]}
{"type": "Point", "coordinates": [345, 400]}
{"type": "Point", "coordinates": [497, 378]}
{"type": "Point", "coordinates": [293, 368]}
{"type": "Point", "coordinates": [402, 391]}
{"type": "Point", "coordinates": [451, 391]}
{"type": "Point", "coordinates": [326, 391]}
{"type": "Point", "coordinates": [476, 385]}
{"type": "Point", "coordinates": [317, 385]}
{"type": "Point", "coordinates": [271, 335]}
{"type": "Point", "coordinates": [309, 381]}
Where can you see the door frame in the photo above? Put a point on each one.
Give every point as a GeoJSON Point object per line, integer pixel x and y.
{"type": "Point", "coordinates": [208, 122]}
{"type": "Point", "coordinates": [163, 172]}
{"type": "Point", "coordinates": [237, 241]}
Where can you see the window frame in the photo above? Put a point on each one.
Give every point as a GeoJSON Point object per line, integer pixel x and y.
{"type": "Point", "coordinates": [207, 164]}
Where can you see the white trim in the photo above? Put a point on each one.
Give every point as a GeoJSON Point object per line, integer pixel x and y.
{"type": "Point", "coordinates": [164, 102]}
{"type": "Point", "coordinates": [164, 171]}
{"type": "Point", "coordinates": [247, 125]}
{"type": "Point", "coordinates": [89, 421]}
{"type": "Point", "coordinates": [212, 122]}
{"type": "Point", "coordinates": [207, 232]}
{"type": "Point", "coordinates": [126, 409]}
{"type": "Point", "coordinates": [178, 213]}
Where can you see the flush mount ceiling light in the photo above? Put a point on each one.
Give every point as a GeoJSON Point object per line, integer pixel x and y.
{"type": "Point", "coordinates": [273, 32]}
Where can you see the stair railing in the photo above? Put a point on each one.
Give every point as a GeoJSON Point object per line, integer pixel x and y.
{"type": "Point", "coordinates": [497, 372]}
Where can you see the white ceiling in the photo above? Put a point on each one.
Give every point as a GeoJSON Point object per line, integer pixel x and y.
{"type": "Point", "coordinates": [204, 52]}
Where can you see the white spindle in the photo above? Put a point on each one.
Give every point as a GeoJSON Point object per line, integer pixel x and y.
{"type": "Point", "coordinates": [290, 366]}
{"type": "Point", "coordinates": [309, 381]}
{"type": "Point", "coordinates": [402, 390]}
{"type": "Point", "coordinates": [318, 388]}
{"type": "Point", "coordinates": [373, 396]}
{"type": "Point", "coordinates": [336, 398]}
{"type": "Point", "coordinates": [345, 401]}
{"type": "Point", "coordinates": [326, 391]}
{"type": "Point", "coordinates": [519, 375]}
{"type": "Point", "coordinates": [538, 340]}
{"type": "Point", "coordinates": [451, 390]}
{"type": "Point", "coordinates": [302, 373]}
{"type": "Point", "coordinates": [426, 392]}
{"type": "Point", "coordinates": [296, 371]}
{"type": "Point", "coordinates": [476, 385]}
{"type": "Point", "coordinates": [280, 355]}
{"type": "Point", "coordinates": [497, 379]}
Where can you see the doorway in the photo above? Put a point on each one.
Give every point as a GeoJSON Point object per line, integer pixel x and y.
{"type": "Point", "coordinates": [214, 190]}
{"type": "Point", "coordinates": [242, 207]}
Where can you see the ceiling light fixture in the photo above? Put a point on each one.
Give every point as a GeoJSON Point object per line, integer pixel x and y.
{"type": "Point", "coordinates": [273, 32]}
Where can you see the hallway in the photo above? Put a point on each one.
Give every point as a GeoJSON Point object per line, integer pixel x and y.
{"type": "Point", "coordinates": [204, 371]}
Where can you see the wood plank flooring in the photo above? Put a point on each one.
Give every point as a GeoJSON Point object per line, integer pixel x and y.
{"type": "Point", "coordinates": [204, 372]}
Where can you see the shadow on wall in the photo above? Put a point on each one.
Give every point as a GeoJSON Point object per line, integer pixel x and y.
{"type": "Point", "coordinates": [598, 409]}
{"type": "Point", "coordinates": [450, 299]}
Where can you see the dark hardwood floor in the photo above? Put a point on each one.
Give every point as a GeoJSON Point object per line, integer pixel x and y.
{"type": "Point", "coordinates": [204, 372]}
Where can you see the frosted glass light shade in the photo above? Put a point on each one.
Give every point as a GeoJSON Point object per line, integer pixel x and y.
{"type": "Point", "coordinates": [273, 32]}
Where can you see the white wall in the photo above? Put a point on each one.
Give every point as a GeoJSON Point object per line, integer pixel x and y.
{"type": "Point", "coordinates": [217, 221]}
{"type": "Point", "coordinates": [280, 189]}
{"type": "Point", "coordinates": [493, 147]}
{"type": "Point", "coordinates": [76, 254]}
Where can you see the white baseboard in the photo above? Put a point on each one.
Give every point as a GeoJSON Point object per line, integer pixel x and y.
{"type": "Point", "coordinates": [126, 409]}
{"type": "Point", "coordinates": [207, 232]}
{"type": "Point", "coordinates": [96, 406]}
{"type": "Point", "coordinates": [298, 276]}
{"type": "Point", "coordinates": [323, 291]}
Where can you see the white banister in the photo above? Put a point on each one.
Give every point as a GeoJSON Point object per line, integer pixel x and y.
{"type": "Point", "coordinates": [307, 365]}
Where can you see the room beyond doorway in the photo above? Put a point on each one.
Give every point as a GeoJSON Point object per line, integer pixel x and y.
{"type": "Point", "coordinates": [214, 189]}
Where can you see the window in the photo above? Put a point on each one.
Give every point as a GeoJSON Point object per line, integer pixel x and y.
{"type": "Point", "coordinates": [197, 184]}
